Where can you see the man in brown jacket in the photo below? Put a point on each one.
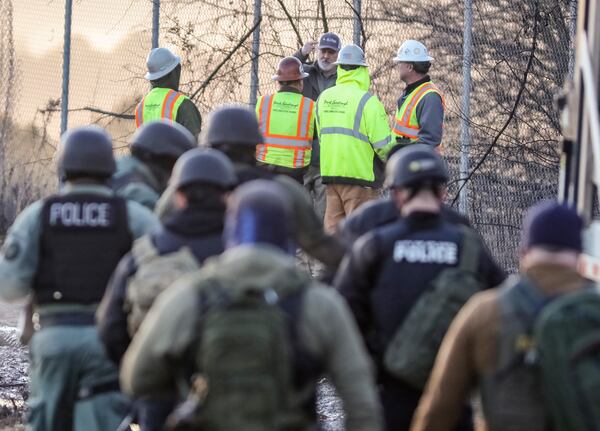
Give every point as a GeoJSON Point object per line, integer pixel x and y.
{"type": "Point", "coordinates": [479, 349]}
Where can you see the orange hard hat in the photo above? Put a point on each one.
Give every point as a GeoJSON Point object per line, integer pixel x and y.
{"type": "Point", "coordinates": [290, 69]}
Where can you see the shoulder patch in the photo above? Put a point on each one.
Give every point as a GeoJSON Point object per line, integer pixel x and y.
{"type": "Point", "coordinates": [10, 250]}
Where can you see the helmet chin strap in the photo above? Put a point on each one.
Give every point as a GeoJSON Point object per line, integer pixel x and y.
{"type": "Point", "coordinates": [326, 67]}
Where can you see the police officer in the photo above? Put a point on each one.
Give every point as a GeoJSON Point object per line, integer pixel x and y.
{"type": "Point", "coordinates": [202, 178]}
{"type": "Point", "coordinates": [164, 101]}
{"type": "Point", "coordinates": [143, 175]}
{"type": "Point", "coordinates": [234, 131]}
{"type": "Point", "coordinates": [354, 136]}
{"type": "Point", "coordinates": [62, 250]}
{"type": "Point", "coordinates": [381, 284]}
{"type": "Point", "coordinates": [420, 113]}
{"type": "Point", "coordinates": [286, 120]}
{"type": "Point", "coordinates": [322, 335]}
{"type": "Point", "coordinates": [322, 74]}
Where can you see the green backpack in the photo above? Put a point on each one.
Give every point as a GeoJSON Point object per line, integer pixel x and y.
{"type": "Point", "coordinates": [567, 334]}
{"type": "Point", "coordinates": [245, 363]}
{"type": "Point", "coordinates": [154, 274]}
{"type": "Point", "coordinates": [410, 354]}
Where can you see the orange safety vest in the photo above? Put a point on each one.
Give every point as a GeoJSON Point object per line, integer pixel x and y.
{"type": "Point", "coordinates": [158, 104]}
{"type": "Point", "coordinates": [287, 130]}
{"type": "Point", "coordinates": [406, 124]}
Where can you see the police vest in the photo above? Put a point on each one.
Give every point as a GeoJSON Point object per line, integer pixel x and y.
{"type": "Point", "coordinates": [83, 238]}
{"type": "Point", "coordinates": [159, 104]}
{"type": "Point", "coordinates": [406, 124]}
{"type": "Point", "coordinates": [347, 154]}
{"type": "Point", "coordinates": [286, 121]}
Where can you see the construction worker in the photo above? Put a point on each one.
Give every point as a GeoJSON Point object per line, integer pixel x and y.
{"type": "Point", "coordinates": [62, 250]}
{"type": "Point", "coordinates": [202, 178]}
{"type": "Point", "coordinates": [234, 131]}
{"type": "Point", "coordinates": [354, 136]}
{"type": "Point", "coordinates": [286, 120]}
{"type": "Point", "coordinates": [420, 113]}
{"type": "Point", "coordinates": [322, 75]}
{"type": "Point", "coordinates": [268, 331]}
{"type": "Point", "coordinates": [143, 175]}
{"type": "Point", "coordinates": [383, 211]}
{"type": "Point", "coordinates": [393, 269]}
{"type": "Point", "coordinates": [497, 342]}
{"type": "Point", "coordinates": [164, 101]}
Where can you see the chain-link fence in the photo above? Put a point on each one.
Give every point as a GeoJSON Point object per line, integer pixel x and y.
{"type": "Point", "coordinates": [501, 131]}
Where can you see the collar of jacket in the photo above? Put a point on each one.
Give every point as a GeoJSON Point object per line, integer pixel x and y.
{"type": "Point", "coordinates": [289, 89]}
{"type": "Point", "coordinates": [130, 163]}
{"type": "Point", "coordinates": [554, 279]}
{"type": "Point", "coordinates": [92, 188]}
{"type": "Point", "coordinates": [359, 77]}
{"type": "Point", "coordinates": [409, 88]}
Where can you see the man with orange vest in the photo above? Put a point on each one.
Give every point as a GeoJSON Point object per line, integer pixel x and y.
{"type": "Point", "coordinates": [420, 113]}
{"type": "Point", "coordinates": [286, 121]}
{"type": "Point", "coordinates": [164, 101]}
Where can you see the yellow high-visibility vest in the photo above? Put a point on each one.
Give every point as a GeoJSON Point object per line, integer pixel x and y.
{"type": "Point", "coordinates": [159, 104]}
{"type": "Point", "coordinates": [406, 124]}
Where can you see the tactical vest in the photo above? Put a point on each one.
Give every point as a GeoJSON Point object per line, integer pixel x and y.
{"type": "Point", "coordinates": [407, 124]}
{"type": "Point", "coordinates": [159, 104]}
{"type": "Point", "coordinates": [83, 238]}
{"type": "Point", "coordinates": [511, 395]}
{"type": "Point", "coordinates": [286, 121]}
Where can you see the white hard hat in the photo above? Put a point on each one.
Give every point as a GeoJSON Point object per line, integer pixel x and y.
{"type": "Point", "coordinates": [351, 55]}
{"type": "Point", "coordinates": [160, 62]}
{"type": "Point", "coordinates": [412, 51]}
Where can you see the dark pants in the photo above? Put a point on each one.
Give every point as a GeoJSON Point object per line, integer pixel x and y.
{"type": "Point", "coordinates": [296, 174]}
{"type": "Point", "coordinates": [152, 412]}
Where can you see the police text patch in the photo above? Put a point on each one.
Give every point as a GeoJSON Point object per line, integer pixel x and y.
{"type": "Point", "coordinates": [421, 251]}
{"type": "Point", "coordinates": [80, 214]}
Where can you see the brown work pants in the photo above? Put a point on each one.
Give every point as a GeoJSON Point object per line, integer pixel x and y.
{"type": "Point", "coordinates": [342, 199]}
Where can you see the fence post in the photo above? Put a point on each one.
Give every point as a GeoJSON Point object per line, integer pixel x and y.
{"type": "Point", "coordinates": [465, 131]}
{"type": "Point", "coordinates": [357, 4]}
{"type": "Point", "coordinates": [572, 35]}
{"type": "Point", "coordinates": [255, 53]}
{"type": "Point", "coordinates": [64, 101]}
{"type": "Point", "coordinates": [155, 22]}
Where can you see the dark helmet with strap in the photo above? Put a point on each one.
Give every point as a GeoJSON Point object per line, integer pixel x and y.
{"type": "Point", "coordinates": [232, 125]}
{"type": "Point", "coordinates": [162, 139]}
{"type": "Point", "coordinates": [259, 212]}
{"type": "Point", "coordinates": [86, 151]}
{"type": "Point", "coordinates": [415, 164]}
{"type": "Point", "coordinates": [290, 69]}
{"type": "Point", "coordinates": [204, 166]}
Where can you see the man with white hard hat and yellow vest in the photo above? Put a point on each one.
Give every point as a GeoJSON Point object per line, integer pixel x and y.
{"type": "Point", "coordinates": [286, 121]}
{"type": "Point", "coordinates": [355, 137]}
{"type": "Point", "coordinates": [164, 101]}
{"type": "Point", "coordinates": [420, 113]}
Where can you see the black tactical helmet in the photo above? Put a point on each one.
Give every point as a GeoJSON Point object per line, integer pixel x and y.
{"type": "Point", "coordinates": [415, 164]}
{"type": "Point", "coordinates": [163, 138]}
{"type": "Point", "coordinates": [232, 124]}
{"type": "Point", "coordinates": [204, 166]}
{"type": "Point", "coordinates": [86, 151]}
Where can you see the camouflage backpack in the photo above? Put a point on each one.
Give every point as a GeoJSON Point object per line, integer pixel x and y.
{"type": "Point", "coordinates": [411, 353]}
{"type": "Point", "coordinates": [245, 364]}
{"type": "Point", "coordinates": [154, 274]}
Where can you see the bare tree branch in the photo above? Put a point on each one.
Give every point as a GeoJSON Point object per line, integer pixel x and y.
{"type": "Point", "coordinates": [92, 109]}
{"type": "Point", "coordinates": [324, 17]}
{"type": "Point", "coordinates": [362, 27]}
{"type": "Point", "coordinates": [292, 23]}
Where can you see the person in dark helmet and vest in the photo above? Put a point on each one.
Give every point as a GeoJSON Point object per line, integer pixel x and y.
{"type": "Point", "coordinates": [290, 331]}
{"type": "Point", "coordinates": [420, 113]}
{"type": "Point", "coordinates": [194, 232]}
{"type": "Point", "coordinates": [391, 268]}
{"type": "Point", "coordinates": [143, 175]}
{"type": "Point", "coordinates": [286, 120]}
{"type": "Point", "coordinates": [165, 101]}
{"type": "Point", "coordinates": [234, 130]}
{"type": "Point", "coordinates": [62, 251]}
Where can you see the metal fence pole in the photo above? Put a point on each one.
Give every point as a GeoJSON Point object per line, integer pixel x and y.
{"type": "Point", "coordinates": [572, 35]}
{"type": "Point", "coordinates": [255, 53]}
{"type": "Point", "coordinates": [64, 101]}
{"type": "Point", "coordinates": [465, 131]}
{"type": "Point", "coordinates": [357, 4]}
{"type": "Point", "coordinates": [155, 22]}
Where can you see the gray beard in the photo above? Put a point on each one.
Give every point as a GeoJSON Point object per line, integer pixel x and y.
{"type": "Point", "coordinates": [326, 67]}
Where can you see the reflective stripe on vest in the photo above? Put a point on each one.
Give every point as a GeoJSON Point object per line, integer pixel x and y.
{"type": "Point", "coordinates": [355, 131]}
{"type": "Point", "coordinates": [160, 103]}
{"type": "Point", "coordinates": [406, 124]}
{"type": "Point", "coordinates": [296, 148]}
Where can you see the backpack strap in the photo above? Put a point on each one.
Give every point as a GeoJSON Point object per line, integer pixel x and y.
{"type": "Point", "coordinates": [144, 250]}
{"type": "Point", "coordinates": [471, 250]}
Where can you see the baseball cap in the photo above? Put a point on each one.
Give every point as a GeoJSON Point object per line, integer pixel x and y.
{"type": "Point", "coordinates": [330, 40]}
